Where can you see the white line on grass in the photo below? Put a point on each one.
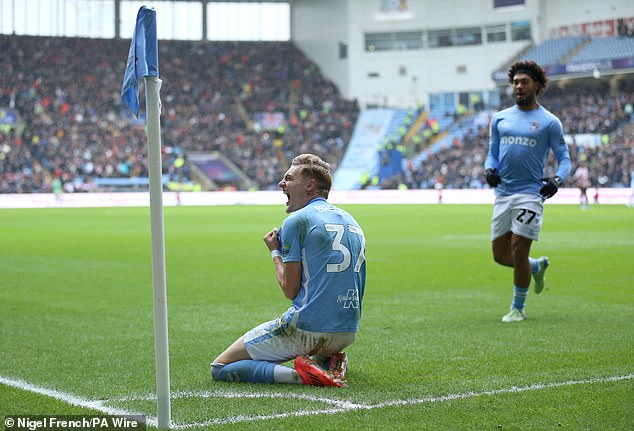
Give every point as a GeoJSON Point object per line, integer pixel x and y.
{"type": "Point", "coordinates": [513, 389]}
{"type": "Point", "coordinates": [339, 406]}
{"type": "Point", "coordinates": [345, 406]}
{"type": "Point", "coordinates": [230, 394]}
{"type": "Point", "coordinates": [73, 400]}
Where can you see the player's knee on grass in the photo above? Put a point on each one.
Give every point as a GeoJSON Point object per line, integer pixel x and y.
{"type": "Point", "coordinates": [215, 371]}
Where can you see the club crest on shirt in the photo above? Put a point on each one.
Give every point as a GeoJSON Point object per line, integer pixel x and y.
{"type": "Point", "coordinates": [533, 125]}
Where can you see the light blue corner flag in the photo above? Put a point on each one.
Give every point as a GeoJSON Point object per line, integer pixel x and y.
{"type": "Point", "coordinates": [142, 59]}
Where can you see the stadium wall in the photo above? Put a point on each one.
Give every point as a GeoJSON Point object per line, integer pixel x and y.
{"type": "Point", "coordinates": [404, 78]}
{"type": "Point", "coordinates": [607, 196]}
{"type": "Point", "coordinates": [573, 12]}
{"type": "Point", "coordinates": [318, 30]}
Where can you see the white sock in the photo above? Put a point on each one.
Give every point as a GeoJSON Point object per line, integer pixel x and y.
{"type": "Point", "coordinates": [284, 374]}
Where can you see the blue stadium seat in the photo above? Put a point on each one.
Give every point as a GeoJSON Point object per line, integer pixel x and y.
{"type": "Point", "coordinates": [606, 48]}
{"type": "Point", "coordinates": [554, 51]}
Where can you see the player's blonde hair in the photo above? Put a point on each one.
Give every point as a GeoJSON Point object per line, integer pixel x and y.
{"type": "Point", "coordinates": [312, 166]}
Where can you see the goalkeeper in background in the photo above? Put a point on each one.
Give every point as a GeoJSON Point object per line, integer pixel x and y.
{"type": "Point", "coordinates": [319, 259]}
{"type": "Point", "coordinates": [521, 138]}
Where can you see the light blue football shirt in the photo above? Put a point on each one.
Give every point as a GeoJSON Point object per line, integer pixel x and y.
{"type": "Point", "coordinates": [331, 247]}
{"type": "Point", "coordinates": [519, 145]}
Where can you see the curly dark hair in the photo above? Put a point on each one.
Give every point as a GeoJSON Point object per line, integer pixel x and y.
{"type": "Point", "coordinates": [532, 69]}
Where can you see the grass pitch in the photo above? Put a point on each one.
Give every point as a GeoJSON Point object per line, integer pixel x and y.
{"type": "Point", "coordinates": [432, 353]}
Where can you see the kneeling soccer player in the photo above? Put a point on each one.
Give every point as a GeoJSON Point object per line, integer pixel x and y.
{"type": "Point", "coordinates": [319, 258]}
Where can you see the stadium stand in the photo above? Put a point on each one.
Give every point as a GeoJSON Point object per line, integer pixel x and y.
{"type": "Point", "coordinates": [606, 48]}
{"type": "Point", "coordinates": [69, 121]}
{"type": "Point", "coordinates": [586, 107]}
{"type": "Point", "coordinates": [258, 104]}
{"type": "Point", "coordinates": [554, 51]}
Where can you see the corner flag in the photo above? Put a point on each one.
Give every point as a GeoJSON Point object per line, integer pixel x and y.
{"type": "Point", "coordinates": [142, 58]}
{"type": "Point", "coordinates": [143, 63]}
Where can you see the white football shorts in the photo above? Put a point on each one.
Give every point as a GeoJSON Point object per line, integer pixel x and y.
{"type": "Point", "coordinates": [280, 341]}
{"type": "Point", "coordinates": [520, 213]}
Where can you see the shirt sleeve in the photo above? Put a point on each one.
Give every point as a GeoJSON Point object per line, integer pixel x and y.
{"type": "Point", "coordinates": [289, 239]}
{"type": "Point", "coordinates": [492, 161]}
{"type": "Point", "coordinates": [560, 149]}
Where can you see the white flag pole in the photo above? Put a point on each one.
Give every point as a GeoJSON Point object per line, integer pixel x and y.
{"type": "Point", "coordinates": [161, 344]}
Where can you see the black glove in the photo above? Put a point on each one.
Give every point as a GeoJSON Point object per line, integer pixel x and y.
{"type": "Point", "coordinates": [492, 177]}
{"type": "Point", "coordinates": [550, 187]}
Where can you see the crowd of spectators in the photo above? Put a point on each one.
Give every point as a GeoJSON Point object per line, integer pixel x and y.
{"type": "Point", "coordinates": [63, 95]}
{"type": "Point", "coordinates": [584, 107]}
{"type": "Point", "coordinates": [72, 125]}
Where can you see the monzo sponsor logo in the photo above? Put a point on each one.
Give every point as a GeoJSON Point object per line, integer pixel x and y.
{"type": "Point", "coordinates": [518, 140]}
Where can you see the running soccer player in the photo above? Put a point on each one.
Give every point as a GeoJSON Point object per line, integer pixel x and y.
{"type": "Point", "coordinates": [521, 138]}
{"type": "Point", "coordinates": [319, 258]}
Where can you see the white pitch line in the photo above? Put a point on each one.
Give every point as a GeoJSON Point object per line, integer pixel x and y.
{"type": "Point", "coordinates": [232, 394]}
{"type": "Point", "coordinates": [511, 390]}
{"type": "Point", "coordinates": [345, 407]}
{"type": "Point", "coordinates": [340, 406]}
{"type": "Point", "coordinates": [73, 400]}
